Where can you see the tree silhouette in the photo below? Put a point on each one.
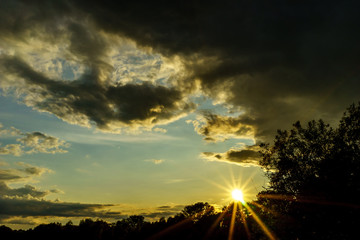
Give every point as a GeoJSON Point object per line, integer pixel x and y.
{"type": "Point", "coordinates": [314, 177]}
{"type": "Point", "coordinates": [198, 210]}
{"type": "Point", "coordinates": [294, 163]}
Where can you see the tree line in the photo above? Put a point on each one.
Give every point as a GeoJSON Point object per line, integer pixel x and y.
{"type": "Point", "coordinates": [197, 221]}
{"type": "Point", "coordinates": [314, 184]}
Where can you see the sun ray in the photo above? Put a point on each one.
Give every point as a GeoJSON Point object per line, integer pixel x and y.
{"type": "Point", "coordinates": [261, 224]}
{"type": "Point", "coordinates": [236, 190]}
{"type": "Point", "coordinates": [232, 176]}
{"type": "Point", "coordinates": [223, 187]}
{"type": "Point", "coordinates": [309, 200]}
{"type": "Point", "coordinates": [216, 222]}
{"type": "Point", "coordinates": [232, 222]}
{"type": "Point", "coordinates": [168, 230]}
{"type": "Point", "coordinates": [266, 209]}
{"type": "Point", "coordinates": [250, 178]}
{"type": "Point", "coordinates": [243, 218]}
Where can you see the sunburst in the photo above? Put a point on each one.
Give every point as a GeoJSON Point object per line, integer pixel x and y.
{"type": "Point", "coordinates": [237, 195]}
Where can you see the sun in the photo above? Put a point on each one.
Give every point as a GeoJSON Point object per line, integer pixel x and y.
{"type": "Point", "coordinates": [238, 195]}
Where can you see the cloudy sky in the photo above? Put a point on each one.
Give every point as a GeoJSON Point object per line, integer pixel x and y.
{"type": "Point", "coordinates": [109, 109]}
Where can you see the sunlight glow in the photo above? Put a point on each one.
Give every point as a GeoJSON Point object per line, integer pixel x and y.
{"type": "Point", "coordinates": [236, 189]}
{"type": "Point", "coordinates": [238, 195]}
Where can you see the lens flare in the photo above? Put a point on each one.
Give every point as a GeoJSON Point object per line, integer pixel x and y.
{"type": "Point", "coordinates": [238, 195]}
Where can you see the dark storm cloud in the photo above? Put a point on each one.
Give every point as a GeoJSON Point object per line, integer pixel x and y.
{"type": "Point", "coordinates": [90, 99]}
{"type": "Point", "coordinates": [37, 208]}
{"type": "Point", "coordinates": [247, 156]}
{"type": "Point", "coordinates": [277, 61]}
{"type": "Point", "coordinates": [283, 60]}
{"type": "Point", "coordinates": [85, 99]}
{"type": "Point", "coordinates": [17, 17]}
{"type": "Point", "coordinates": [219, 128]}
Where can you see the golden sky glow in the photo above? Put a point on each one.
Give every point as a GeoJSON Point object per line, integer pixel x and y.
{"type": "Point", "coordinates": [106, 108]}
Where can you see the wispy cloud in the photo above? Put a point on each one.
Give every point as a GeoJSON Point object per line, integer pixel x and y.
{"type": "Point", "coordinates": [176, 180]}
{"type": "Point", "coordinates": [34, 142]}
{"type": "Point", "coordinates": [155, 161]}
{"type": "Point", "coordinates": [105, 139]}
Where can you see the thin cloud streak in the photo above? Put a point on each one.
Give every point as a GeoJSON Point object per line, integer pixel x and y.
{"type": "Point", "coordinates": [110, 139]}
{"type": "Point", "coordinates": [37, 208]}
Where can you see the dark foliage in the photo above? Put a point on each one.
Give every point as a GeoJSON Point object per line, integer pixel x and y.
{"type": "Point", "coordinates": [315, 179]}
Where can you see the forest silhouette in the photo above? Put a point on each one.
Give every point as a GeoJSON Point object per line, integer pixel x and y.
{"type": "Point", "coordinates": [313, 190]}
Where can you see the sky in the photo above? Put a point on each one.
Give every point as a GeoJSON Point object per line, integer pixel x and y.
{"type": "Point", "coordinates": [109, 109]}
